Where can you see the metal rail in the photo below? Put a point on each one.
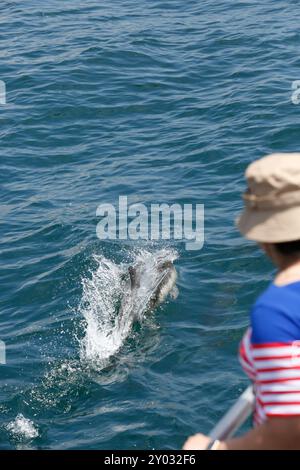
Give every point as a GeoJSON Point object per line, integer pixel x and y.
{"type": "Point", "coordinates": [235, 416]}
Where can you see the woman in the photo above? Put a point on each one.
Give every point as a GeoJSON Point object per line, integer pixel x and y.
{"type": "Point", "coordinates": [270, 349]}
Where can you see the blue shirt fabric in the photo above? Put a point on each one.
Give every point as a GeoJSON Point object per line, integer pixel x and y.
{"type": "Point", "coordinates": [275, 316]}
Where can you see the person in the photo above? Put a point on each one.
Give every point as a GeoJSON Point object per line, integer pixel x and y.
{"type": "Point", "coordinates": [270, 350]}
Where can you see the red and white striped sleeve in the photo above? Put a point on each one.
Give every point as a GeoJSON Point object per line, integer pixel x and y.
{"type": "Point", "coordinates": [245, 356]}
{"type": "Point", "coordinates": [277, 381]}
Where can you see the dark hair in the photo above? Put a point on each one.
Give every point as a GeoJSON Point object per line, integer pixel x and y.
{"type": "Point", "coordinates": [289, 248]}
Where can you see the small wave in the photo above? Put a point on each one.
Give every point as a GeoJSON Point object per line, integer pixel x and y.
{"type": "Point", "coordinates": [22, 429]}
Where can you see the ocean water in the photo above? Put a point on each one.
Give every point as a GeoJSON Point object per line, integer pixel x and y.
{"type": "Point", "coordinates": [162, 101]}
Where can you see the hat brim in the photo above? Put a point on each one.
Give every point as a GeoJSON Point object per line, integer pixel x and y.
{"type": "Point", "coordinates": [270, 226]}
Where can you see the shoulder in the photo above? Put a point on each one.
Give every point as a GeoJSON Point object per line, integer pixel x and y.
{"type": "Point", "coordinates": [275, 317]}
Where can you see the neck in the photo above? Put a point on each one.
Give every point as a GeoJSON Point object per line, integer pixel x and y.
{"type": "Point", "coordinates": [289, 271]}
{"type": "Point", "coordinates": [287, 263]}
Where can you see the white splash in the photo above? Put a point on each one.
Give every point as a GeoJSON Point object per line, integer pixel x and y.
{"type": "Point", "coordinates": [22, 428]}
{"type": "Point", "coordinates": [102, 296]}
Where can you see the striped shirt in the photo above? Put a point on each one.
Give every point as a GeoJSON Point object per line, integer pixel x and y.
{"type": "Point", "coordinates": [270, 352]}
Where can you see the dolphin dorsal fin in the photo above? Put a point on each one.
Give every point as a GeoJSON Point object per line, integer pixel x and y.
{"type": "Point", "coordinates": [132, 274]}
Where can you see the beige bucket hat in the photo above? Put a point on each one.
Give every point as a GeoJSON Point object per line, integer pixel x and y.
{"type": "Point", "coordinates": [272, 201]}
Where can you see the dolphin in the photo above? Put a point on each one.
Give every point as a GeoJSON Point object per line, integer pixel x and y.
{"type": "Point", "coordinates": [147, 289]}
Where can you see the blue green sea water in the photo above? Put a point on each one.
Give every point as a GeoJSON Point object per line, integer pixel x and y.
{"type": "Point", "coordinates": [162, 101]}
